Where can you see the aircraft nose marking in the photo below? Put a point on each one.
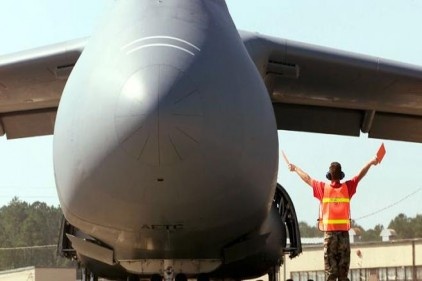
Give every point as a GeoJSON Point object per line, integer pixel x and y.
{"type": "Point", "coordinates": [160, 41]}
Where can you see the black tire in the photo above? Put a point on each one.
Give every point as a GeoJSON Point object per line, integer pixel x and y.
{"type": "Point", "coordinates": [203, 277]}
{"type": "Point", "coordinates": [156, 277]}
{"type": "Point", "coordinates": [181, 277]}
{"type": "Point", "coordinates": [133, 278]}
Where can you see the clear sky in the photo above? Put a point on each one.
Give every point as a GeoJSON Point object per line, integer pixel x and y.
{"type": "Point", "coordinates": [385, 28]}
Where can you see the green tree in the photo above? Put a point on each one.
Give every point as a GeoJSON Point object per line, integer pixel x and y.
{"type": "Point", "coordinates": [372, 234]}
{"type": "Point", "coordinates": [403, 226]}
{"type": "Point", "coordinates": [417, 226]}
{"type": "Point", "coordinates": [11, 217]}
{"type": "Point", "coordinates": [23, 226]}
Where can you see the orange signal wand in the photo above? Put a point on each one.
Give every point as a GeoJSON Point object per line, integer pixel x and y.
{"type": "Point", "coordinates": [381, 153]}
{"type": "Point", "coordinates": [285, 158]}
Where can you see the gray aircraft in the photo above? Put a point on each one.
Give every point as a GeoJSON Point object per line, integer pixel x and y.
{"type": "Point", "coordinates": [165, 138]}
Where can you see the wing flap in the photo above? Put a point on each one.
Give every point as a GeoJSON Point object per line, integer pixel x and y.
{"type": "Point", "coordinates": [31, 84]}
{"type": "Point", "coordinates": [317, 119]}
{"type": "Point", "coordinates": [331, 91]}
{"type": "Point", "coordinates": [397, 127]}
{"type": "Point", "coordinates": [29, 123]}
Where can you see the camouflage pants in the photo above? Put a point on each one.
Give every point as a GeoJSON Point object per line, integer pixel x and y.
{"type": "Point", "coordinates": [336, 255]}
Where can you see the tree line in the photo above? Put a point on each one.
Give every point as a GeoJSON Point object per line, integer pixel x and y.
{"type": "Point", "coordinates": [405, 228]}
{"type": "Point", "coordinates": [29, 235]}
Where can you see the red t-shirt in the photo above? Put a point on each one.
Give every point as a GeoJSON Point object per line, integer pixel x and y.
{"type": "Point", "coordinates": [318, 187]}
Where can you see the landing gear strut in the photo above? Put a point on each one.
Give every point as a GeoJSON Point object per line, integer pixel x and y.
{"type": "Point", "coordinates": [87, 275]}
{"type": "Point", "coordinates": [273, 275]}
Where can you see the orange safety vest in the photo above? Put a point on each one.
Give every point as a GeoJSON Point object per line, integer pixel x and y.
{"type": "Point", "coordinates": [334, 212]}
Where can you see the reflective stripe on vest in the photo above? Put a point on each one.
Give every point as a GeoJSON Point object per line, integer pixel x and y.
{"type": "Point", "coordinates": [335, 200]}
{"type": "Point", "coordinates": [335, 209]}
{"type": "Point", "coordinates": [336, 221]}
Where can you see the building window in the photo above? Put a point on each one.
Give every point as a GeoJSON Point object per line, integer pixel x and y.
{"type": "Point", "coordinates": [382, 274]}
{"type": "Point", "coordinates": [303, 276]}
{"type": "Point", "coordinates": [320, 276]}
{"type": "Point", "coordinates": [391, 273]}
{"type": "Point", "coordinates": [409, 273]}
{"type": "Point", "coordinates": [358, 274]}
{"type": "Point", "coordinates": [419, 273]}
{"type": "Point", "coordinates": [364, 274]}
{"type": "Point", "coordinates": [354, 274]}
{"type": "Point", "coordinates": [400, 274]}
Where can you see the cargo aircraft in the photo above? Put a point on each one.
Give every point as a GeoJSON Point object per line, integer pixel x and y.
{"type": "Point", "coordinates": [165, 135]}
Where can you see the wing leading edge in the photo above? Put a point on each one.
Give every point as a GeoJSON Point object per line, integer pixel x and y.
{"type": "Point", "coordinates": [323, 90]}
{"type": "Point", "coordinates": [31, 84]}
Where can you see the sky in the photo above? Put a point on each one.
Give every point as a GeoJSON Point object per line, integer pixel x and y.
{"type": "Point", "coordinates": [384, 28]}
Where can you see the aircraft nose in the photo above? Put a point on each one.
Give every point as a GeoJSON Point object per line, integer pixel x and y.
{"type": "Point", "coordinates": [158, 117]}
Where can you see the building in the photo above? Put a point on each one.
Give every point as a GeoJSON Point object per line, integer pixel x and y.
{"type": "Point", "coordinates": [397, 260]}
{"type": "Point", "coordinates": [39, 274]}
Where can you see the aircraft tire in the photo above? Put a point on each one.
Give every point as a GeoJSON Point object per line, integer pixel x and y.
{"type": "Point", "coordinates": [203, 277]}
{"type": "Point", "coordinates": [132, 278]}
{"type": "Point", "coordinates": [156, 277]}
{"type": "Point", "coordinates": [181, 277]}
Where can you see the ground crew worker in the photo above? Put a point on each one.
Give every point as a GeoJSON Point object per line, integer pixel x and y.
{"type": "Point", "coordinates": [334, 217]}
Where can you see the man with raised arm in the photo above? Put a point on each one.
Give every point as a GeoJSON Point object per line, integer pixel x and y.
{"type": "Point", "coordinates": [334, 215]}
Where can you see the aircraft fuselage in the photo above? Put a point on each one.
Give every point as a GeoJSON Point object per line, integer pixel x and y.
{"type": "Point", "coordinates": [165, 142]}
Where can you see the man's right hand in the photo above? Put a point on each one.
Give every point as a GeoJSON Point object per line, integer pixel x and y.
{"type": "Point", "coordinates": [292, 167]}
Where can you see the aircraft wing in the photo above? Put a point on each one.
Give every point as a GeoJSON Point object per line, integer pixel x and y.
{"type": "Point", "coordinates": [323, 90]}
{"type": "Point", "coordinates": [31, 84]}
